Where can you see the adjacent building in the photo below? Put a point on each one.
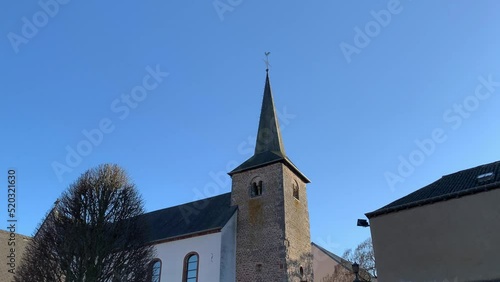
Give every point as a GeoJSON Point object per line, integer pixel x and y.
{"type": "Point", "coordinates": [11, 250]}
{"type": "Point", "coordinates": [329, 267]}
{"type": "Point", "coordinates": [448, 230]}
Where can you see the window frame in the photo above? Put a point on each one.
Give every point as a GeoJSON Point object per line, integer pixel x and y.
{"type": "Point", "coordinates": [256, 188]}
{"type": "Point", "coordinates": [151, 267]}
{"type": "Point", "coordinates": [186, 266]}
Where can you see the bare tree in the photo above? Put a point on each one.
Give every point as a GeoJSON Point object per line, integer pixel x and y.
{"type": "Point", "coordinates": [364, 256]}
{"type": "Point", "coordinates": [91, 234]}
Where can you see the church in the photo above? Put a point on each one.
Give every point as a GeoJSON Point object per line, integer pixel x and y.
{"type": "Point", "coordinates": [258, 232]}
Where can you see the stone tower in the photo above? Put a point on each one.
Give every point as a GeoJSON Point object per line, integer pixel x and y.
{"type": "Point", "coordinates": [273, 238]}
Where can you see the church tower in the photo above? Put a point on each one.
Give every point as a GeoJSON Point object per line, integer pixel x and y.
{"type": "Point", "coordinates": [273, 238]}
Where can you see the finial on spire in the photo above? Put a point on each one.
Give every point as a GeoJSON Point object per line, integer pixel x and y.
{"type": "Point", "coordinates": [267, 60]}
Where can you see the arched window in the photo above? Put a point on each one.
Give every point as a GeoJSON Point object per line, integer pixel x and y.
{"type": "Point", "coordinates": [155, 270]}
{"type": "Point", "coordinates": [191, 267]}
{"type": "Point", "coordinates": [256, 189]}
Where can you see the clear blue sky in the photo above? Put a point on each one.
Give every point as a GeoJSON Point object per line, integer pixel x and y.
{"type": "Point", "coordinates": [349, 115]}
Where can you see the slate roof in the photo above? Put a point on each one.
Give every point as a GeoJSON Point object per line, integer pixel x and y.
{"type": "Point", "coordinates": [267, 158]}
{"type": "Point", "coordinates": [268, 134]}
{"type": "Point", "coordinates": [269, 146]}
{"type": "Point", "coordinates": [450, 186]}
{"type": "Point", "coordinates": [188, 219]}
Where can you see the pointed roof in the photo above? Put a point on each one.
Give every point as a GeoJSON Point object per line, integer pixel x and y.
{"type": "Point", "coordinates": [269, 145]}
{"type": "Point", "coordinates": [269, 135]}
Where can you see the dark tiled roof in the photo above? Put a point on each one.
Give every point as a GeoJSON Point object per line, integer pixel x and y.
{"type": "Point", "coordinates": [190, 218]}
{"type": "Point", "coordinates": [259, 160]}
{"type": "Point", "coordinates": [450, 186]}
{"type": "Point", "coordinates": [268, 134]}
{"type": "Point", "coordinates": [269, 146]}
{"type": "Point", "coordinates": [267, 158]}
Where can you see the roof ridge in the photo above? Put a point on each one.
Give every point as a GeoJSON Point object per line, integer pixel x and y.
{"type": "Point", "coordinates": [335, 257]}
{"type": "Point", "coordinates": [450, 186]}
{"type": "Point", "coordinates": [17, 234]}
{"type": "Point", "coordinates": [471, 168]}
{"type": "Point", "coordinates": [188, 203]}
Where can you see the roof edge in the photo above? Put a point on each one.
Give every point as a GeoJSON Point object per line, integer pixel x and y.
{"type": "Point", "coordinates": [328, 253]}
{"type": "Point", "coordinates": [196, 233]}
{"type": "Point", "coordinates": [187, 235]}
{"type": "Point", "coordinates": [459, 194]}
{"type": "Point", "coordinates": [17, 234]}
{"type": "Point", "coordinates": [187, 203]}
{"type": "Point", "coordinates": [285, 161]}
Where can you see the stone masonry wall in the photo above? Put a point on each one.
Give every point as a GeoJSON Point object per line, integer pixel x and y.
{"type": "Point", "coordinates": [260, 250]}
{"type": "Point", "coordinates": [273, 238]}
{"type": "Point", "coordinates": [297, 229]}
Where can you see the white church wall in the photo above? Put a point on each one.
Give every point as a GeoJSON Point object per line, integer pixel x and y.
{"type": "Point", "coordinates": [228, 251]}
{"type": "Point", "coordinates": [173, 253]}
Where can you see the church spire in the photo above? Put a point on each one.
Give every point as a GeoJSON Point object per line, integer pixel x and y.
{"type": "Point", "coordinates": [269, 135]}
{"type": "Point", "coordinates": [269, 147]}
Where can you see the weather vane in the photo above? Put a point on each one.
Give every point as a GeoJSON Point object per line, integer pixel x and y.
{"type": "Point", "coordinates": [267, 60]}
